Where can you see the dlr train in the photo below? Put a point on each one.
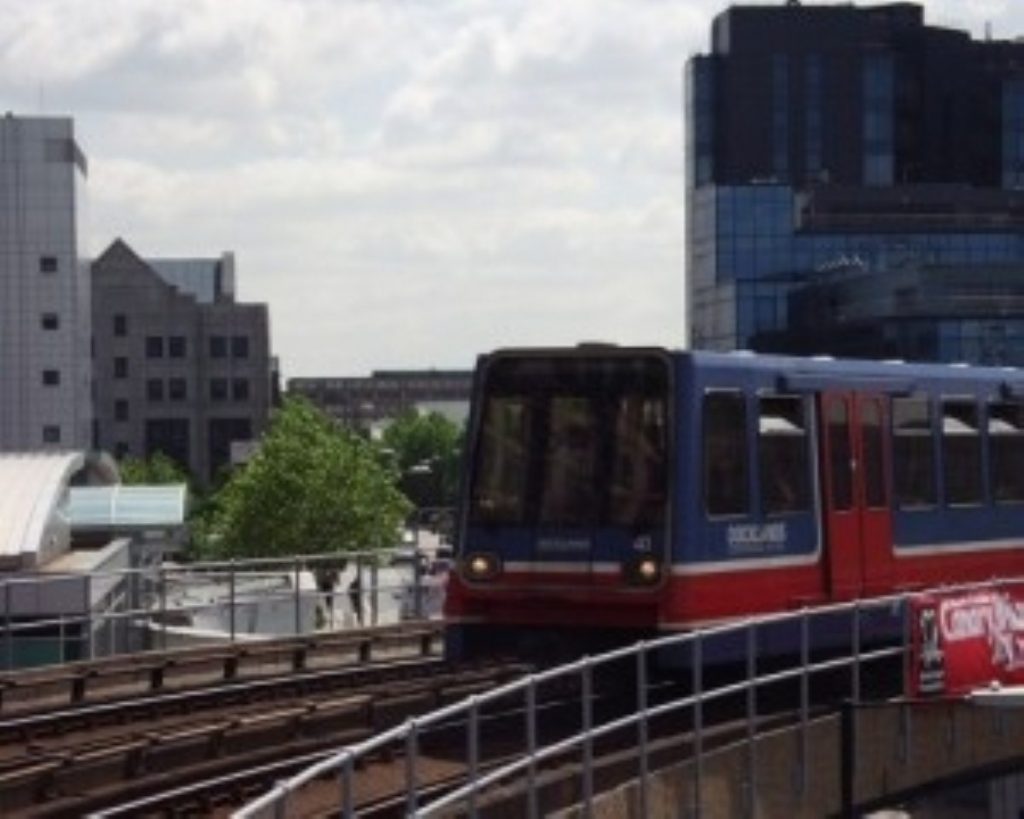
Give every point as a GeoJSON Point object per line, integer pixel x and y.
{"type": "Point", "coordinates": [615, 493]}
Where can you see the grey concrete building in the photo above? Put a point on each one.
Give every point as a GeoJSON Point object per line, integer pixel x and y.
{"type": "Point", "coordinates": [180, 366]}
{"type": "Point", "coordinates": [45, 375]}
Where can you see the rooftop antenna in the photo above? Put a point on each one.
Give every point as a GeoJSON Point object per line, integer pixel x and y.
{"type": "Point", "coordinates": [988, 31]}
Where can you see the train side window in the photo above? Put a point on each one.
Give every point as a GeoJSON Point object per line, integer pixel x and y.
{"type": "Point", "coordinates": [782, 454]}
{"type": "Point", "coordinates": [499, 491]}
{"type": "Point", "coordinates": [913, 452]}
{"type": "Point", "coordinates": [961, 452]}
{"type": "Point", "coordinates": [1006, 451]}
{"type": "Point", "coordinates": [725, 454]}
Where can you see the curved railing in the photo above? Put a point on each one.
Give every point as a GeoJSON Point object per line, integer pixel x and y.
{"type": "Point", "coordinates": [893, 621]}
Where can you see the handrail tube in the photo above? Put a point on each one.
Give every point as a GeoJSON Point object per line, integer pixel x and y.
{"type": "Point", "coordinates": [858, 607]}
{"type": "Point", "coordinates": [570, 743]}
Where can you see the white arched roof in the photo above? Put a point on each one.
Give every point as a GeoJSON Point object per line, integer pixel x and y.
{"type": "Point", "coordinates": [32, 485]}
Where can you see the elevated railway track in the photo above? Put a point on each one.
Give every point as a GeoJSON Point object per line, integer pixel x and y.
{"type": "Point", "coordinates": [93, 681]}
{"type": "Point", "coordinates": [77, 738]}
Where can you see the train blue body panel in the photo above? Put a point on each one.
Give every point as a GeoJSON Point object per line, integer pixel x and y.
{"type": "Point", "coordinates": [649, 490]}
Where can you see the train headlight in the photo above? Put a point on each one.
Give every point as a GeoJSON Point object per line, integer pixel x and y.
{"type": "Point", "coordinates": [643, 571]}
{"type": "Point", "coordinates": [482, 566]}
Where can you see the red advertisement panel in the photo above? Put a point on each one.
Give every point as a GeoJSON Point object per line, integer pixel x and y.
{"type": "Point", "coordinates": [965, 640]}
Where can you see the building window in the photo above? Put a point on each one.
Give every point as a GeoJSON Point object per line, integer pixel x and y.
{"type": "Point", "coordinates": [813, 117]}
{"type": "Point", "coordinates": [239, 347]}
{"type": "Point", "coordinates": [218, 389]}
{"type": "Point", "coordinates": [221, 432]}
{"type": "Point", "coordinates": [1013, 133]}
{"type": "Point", "coordinates": [780, 115]}
{"type": "Point", "coordinates": [725, 454]}
{"type": "Point", "coordinates": [154, 347]}
{"type": "Point", "coordinates": [120, 367]}
{"type": "Point", "coordinates": [177, 389]}
{"type": "Point", "coordinates": [51, 378]}
{"type": "Point", "coordinates": [120, 324]}
{"type": "Point", "coordinates": [240, 389]}
{"type": "Point", "coordinates": [155, 389]}
{"type": "Point", "coordinates": [47, 264]}
{"type": "Point", "coordinates": [169, 436]}
{"type": "Point", "coordinates": [51, 434]}
{"type": "Point", "coordinates": [176, 346]}
{"type": "Point", "coordinates": [50, 321]}
{"type": "Point", "coordinates": [218, 347]}
{"type": "Point", "coordinates": [121, 450]}
{"type": "Point", "coordinates": [877, 127]}
{"type": "Point", "coordinates": [120, 410]}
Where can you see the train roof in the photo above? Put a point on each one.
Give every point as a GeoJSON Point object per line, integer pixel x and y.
{"type": "Point", "coordinates": [839, 367]}
{"type": "Point", "coordinates": [797, 372]}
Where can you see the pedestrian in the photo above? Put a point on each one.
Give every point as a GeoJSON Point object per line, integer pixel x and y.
{"type": "Point", "coordinates": [355, 595]}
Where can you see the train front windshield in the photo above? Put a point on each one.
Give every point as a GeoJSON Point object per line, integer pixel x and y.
{"type": "Point", "coordinates": [572, 442]}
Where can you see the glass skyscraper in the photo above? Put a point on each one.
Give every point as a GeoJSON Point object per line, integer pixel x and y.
{"type": "Point", "coordinates": [855, 186]}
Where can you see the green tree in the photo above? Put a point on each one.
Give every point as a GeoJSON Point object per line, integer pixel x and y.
{"type": "Point", "coordinates": [312, 487]}
{"type": "Point", "coordinates": [156, 469]}
{"type": "Point", "coordinates": [427, 455]}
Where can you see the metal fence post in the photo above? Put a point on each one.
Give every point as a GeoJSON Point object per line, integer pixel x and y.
{"type": "Point", "coordinates": [359, 601]}
{"type": "Point", "coordinates": [347, 800]}
{"type": "Point", "coordinates": [8, 633]}
{"type": "Point", "coordinates": [641, 707]}
{"type": "Point", "coordinates": [298, 601]}
{"type": "Point", "coordinates": [751, 717]}
{"type": "Point", "coordinates": [163, 608]}
{"type": "Point", "coordinates": [410, 767]}
{"type": "Point", "coordinates": [698, 724]}
{"type": "Point", "coordinates": [849, 759]}
{"type": "Point", "coordinates": [281, 805]}
{"type": "Point", "coordinates": [418, 582]}
{"type": "Point", "coordinates": [89, 633]}
{"type": "Point", "coordinates": [588, 738]}
{"type": "Point", "coordinates": [474, 751]}
{"type": "Point", "coordinates": [374, 592]}
{"type": "Point", "coordinates": [231, 598]}
{"type": "Point", "coordinates": [531, 744]}
{"type": "Point", "coordinates": [804, 699]}
{"type": "Point", "coordinates": [855, 668]}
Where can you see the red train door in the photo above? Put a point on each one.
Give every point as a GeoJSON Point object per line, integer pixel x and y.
{"type": "Point", "coordinates": [856, 506]}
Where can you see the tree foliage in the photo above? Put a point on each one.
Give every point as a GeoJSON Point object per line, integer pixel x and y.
{"type": "Point", "coordinates": [427, 451]}
{"type": "Point", "coordinates": [157, 469]}
{"type": "Point", "coordinates": [312, 487]}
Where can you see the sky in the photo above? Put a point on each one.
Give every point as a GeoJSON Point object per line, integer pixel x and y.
{"type": "Point", "coordinates": [406, 183]}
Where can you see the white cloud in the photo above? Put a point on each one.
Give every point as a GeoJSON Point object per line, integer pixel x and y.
{"type": "Point", "coordinates": [406, 183]}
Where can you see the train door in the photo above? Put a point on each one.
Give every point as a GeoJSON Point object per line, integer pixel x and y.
{"type": "Point", "coordinates": [856, 506]}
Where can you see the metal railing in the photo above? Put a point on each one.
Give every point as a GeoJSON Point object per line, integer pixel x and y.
{"type": "Point", "coordinates": [884, 616]}
{"type": "Point", "coordinates": [121, 611]}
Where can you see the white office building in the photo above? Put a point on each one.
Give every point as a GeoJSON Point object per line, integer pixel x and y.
{"type": "Point", "coordinates": [45, 311]}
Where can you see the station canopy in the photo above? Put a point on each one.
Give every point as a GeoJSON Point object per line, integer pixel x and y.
{"type": "Point", "coordinates": [127, 507]}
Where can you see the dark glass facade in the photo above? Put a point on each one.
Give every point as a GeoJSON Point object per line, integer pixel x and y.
{"type": "Point", "coordinates": [852, 190]}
